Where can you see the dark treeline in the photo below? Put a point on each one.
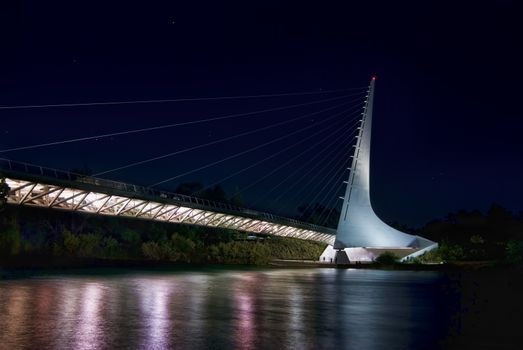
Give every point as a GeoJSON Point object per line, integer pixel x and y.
{"type": "Point", "coordinates": [213, 193]}
{"type": "Point", "coordinates": [36, 234]}
{"type": "Point", "coordinates": [473, 235]}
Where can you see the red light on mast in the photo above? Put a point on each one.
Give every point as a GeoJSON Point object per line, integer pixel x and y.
{"type": "Point", "coordinates": [373, 77]}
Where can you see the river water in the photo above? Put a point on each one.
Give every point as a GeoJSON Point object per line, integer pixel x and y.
{"type": "Point", "coordinates": [230, 309]}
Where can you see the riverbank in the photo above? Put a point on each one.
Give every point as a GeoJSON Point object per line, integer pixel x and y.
{"type": "Point", "coordinates": [49, 266]}
{"type": "Point", "coordinates": [453, 266]}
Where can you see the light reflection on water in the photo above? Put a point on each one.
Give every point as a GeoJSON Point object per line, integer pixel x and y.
{"type": "Point", "coordinates": [276, 309]}
{"type": "Point", "coordinates": [155, 313]}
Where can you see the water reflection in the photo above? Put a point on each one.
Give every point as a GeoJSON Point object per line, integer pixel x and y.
{"type": "Point", "coordinates": [245, 309]}
{"type": "Point", "coordinates": [284, 309]}
{"type": "Point", "coordinates": [89, 333]}
{"type": "Point", "coordinates": [154, 297]}
{"type": "Point", "coordinates": [16, 313]}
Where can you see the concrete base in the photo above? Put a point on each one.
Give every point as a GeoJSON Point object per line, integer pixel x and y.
{"type": "Point", "coordinates": [341, 258]}
{"type": "Point", "coordinates": [353, 255]}
{"type": "Point", "coordinates": [367, 255]}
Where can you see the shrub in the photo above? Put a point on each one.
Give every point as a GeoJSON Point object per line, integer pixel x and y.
{"type": "Point", "coordinates": [152, 250]}
{"type": "Point", "coordinates": [451, 252]}
{"type": "Point", "coordinates": [514, 252]}
{"type": "Point", "coordinates": [10, 241]}
{"type": "Point", "coordinates": [387, 258]}
{"type": "Point", "coordinates": [130, 237]}
{"type": "Point", "coordinates": [430, 257]}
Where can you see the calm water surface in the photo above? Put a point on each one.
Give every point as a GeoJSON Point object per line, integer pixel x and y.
{"type": "Point", "coordinates": [228, 309]}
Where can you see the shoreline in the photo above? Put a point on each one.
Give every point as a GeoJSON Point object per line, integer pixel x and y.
{"type": "Point", "coordinates": [102, 266]}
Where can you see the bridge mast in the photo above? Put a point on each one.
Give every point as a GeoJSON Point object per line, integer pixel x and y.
{"type": "Point", "coordinates": [358, 184]}
{"type": "Point", "coordinates": [358, 225]}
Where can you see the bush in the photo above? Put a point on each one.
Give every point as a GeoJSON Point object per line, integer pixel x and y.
{"type": "Point", "coordinates": [89, 245]}
{"type": "Point", "coordinates": [177, 249]}
{"type": "Point", "coordinates": [293, 248]}
{"type": "Point", "coordinates": [387, 258]}
{"type": "Point", "coordinates": [184, 248]}
{"type": "Point", "coordinates": [10, 241]}
{"type": "Point", "coordinates": [430, 257]}
{"type": "Point", "coordinates": [514, 252]}
{"type": "Point", "coordinates": [450, 252]}
{"type": "Point", "coordinates": [71, 242]}
{"type": "Point", "coordinates": [240, 252]}
{"type": "Point", "coordinates": [152, 250]}
{"type": "Point", "coordinates": [130, 237]}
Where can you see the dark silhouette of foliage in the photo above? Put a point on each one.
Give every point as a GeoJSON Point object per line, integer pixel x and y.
{"type": "Point", "coordinates": [188, 188]}
{"type": "Point", "coordinates": [215, 193]}
{"type": "Point", "coordinates": [514, 252]}
{"type": "Point", "coordinates": [4, 192]}
{"type": "Point", "coordinates": [27, 232]}
{"type": "Point", "coordinates": [236, 198]}
{"type": "Point", "coordinates": [387, 258]}
{"type": "Point", "coordinates": [472, 235]}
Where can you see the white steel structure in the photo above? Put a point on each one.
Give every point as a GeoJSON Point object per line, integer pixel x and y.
{"type": "Point", "coordinates": [361, 235]}
{"type": "Point", "coordinates": [49, 188]}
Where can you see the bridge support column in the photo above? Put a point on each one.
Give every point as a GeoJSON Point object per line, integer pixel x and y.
{"type": "Point", "coordinates": [341, 258]}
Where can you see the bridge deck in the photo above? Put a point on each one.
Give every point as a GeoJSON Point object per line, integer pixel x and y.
{"type": "Point", "coordinates": [52, 188]}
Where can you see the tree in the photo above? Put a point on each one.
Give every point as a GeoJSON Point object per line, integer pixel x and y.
{"type": "Point", "coordinates": [152, 250]}
{"type": "Point", "coordinates": [477, 247]}
{"type": "Point", "coordinates": [10, 241]}
{"type": "Point", "coordinates": [215, 193]}
{"type": "Point", "coordinates": [450, 252]}
{"type": "Point", "coordinates": [236, 198]}
{"type": "Point", "coordinates": [188, 188]}
{"type": "Point", "coordinates": [514, 252]}
{"type": "Point", "coordinates": [183, 247]}
{"type": "Point", "coordinates": [4, 192]}
{"type": "Point", "coordinates": [477, 239]}
{"type": "Point", "coordinates": [499, 213]}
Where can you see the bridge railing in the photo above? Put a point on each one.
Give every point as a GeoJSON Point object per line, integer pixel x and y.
{"type": "Point", "coordinates": [37, 170]}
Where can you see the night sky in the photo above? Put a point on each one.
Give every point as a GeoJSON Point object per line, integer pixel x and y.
{"type": "Point", "coordinates": [447, 127]}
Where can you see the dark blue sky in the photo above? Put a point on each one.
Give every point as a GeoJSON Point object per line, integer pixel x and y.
{"type": "Point", "coordinates": [447, 119]}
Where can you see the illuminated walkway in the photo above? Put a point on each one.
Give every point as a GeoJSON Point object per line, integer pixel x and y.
{"type": "Point", "coordinates": [51, 188]}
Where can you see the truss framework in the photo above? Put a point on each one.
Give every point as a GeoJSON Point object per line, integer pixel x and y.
{"type": "Point", "coordinates": [39, 194]}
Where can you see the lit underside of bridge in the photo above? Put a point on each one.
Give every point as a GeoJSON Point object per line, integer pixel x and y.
{"type": "Point", "coordinates": [103, 197]}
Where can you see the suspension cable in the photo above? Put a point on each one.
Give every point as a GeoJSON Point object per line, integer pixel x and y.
{"type": "Point", "coordinates": [229, 116]}
{"type": "Point", "coordinates": [334, 170]}
{"type": "Point", "coordinates": [241, 153]}
{"type": "Point", "coordinates": [109, 103]}
{"type": "Point", "coordinates": [331, 193]}
{"type": "Point", "coordinates": [304, 175]}
{"type": "Point", "coordinates": [330, 206]}
{"type": "Point", "coordinates": [148, 160]}
{"type": "Point", "coordinates": [290, 160]}
{"type": "Point", "coordinates": [343, 160]}
{"type": "Point", "coordinates": [272, 156]}
{"type": "Point", "coordinates": [326, 155]}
